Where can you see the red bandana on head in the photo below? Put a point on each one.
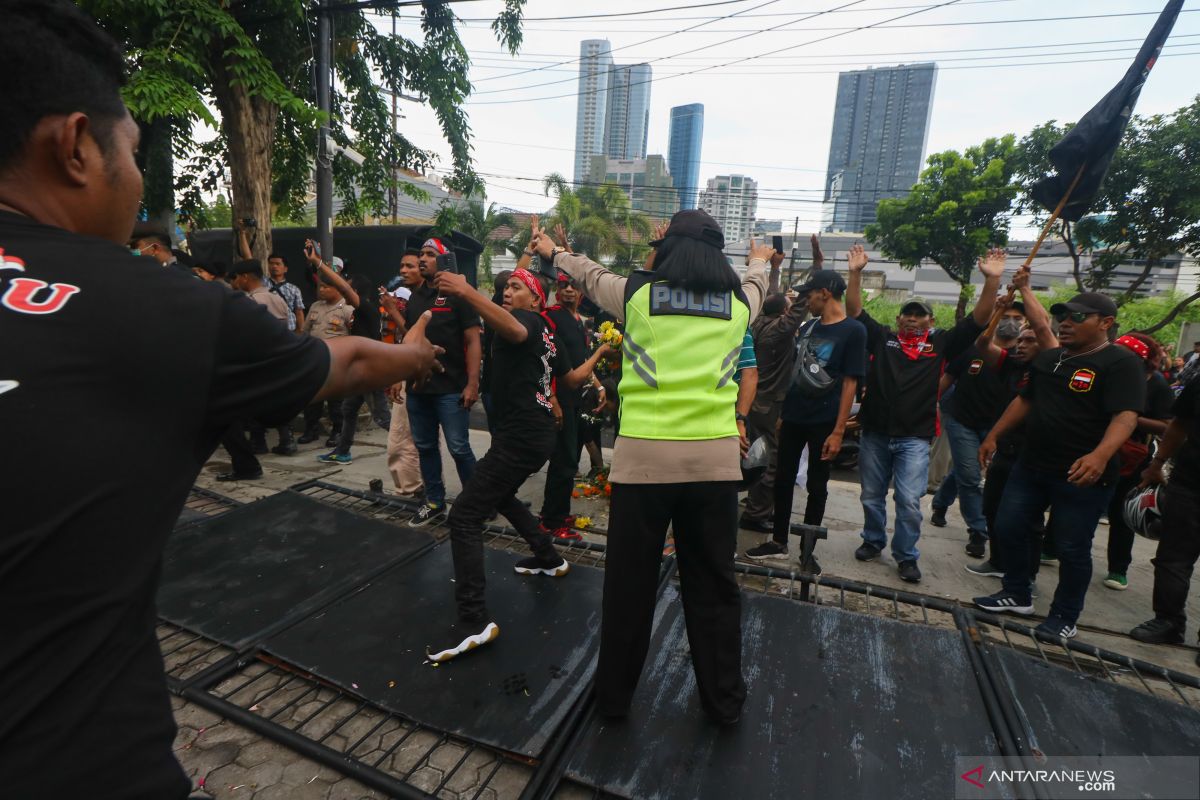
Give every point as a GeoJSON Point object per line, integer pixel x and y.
{"type": "Point", "coordinates": [534, 285]}
{"type": "Point", "coordinates": [1136, 345]}
{"type": "Point", "coordinates": [437, 245]}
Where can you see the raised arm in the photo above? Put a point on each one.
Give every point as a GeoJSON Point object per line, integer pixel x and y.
{"type": "Point", "coordinates": [992, 267]}
{"type": "Point", "coordinates": [358, 365]}
{"type": "Point", "coordinates": [604, 287]}
{"type": "Point", "coordinates": [1035, 312]}
{"type": "Point", "coordinates": [754, 282]}
{"type": "Point", "coordinates": [856, 261]}
{"type": "Point", "coordinates": [505, 325]}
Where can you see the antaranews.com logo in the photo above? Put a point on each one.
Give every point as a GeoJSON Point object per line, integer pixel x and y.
{"type": "Point", "coordinates": [1074, 777]}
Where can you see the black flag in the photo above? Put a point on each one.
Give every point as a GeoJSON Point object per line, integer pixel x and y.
{"type": "Point", "coordinates": [1094, 139]}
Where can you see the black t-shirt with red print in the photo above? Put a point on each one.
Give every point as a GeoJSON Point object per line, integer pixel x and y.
{"type": "Point", "coordinates": [523, 375]}
{"type": "Point", "coordinates": [1073, 403]}
{"type": "Point", "coordinates": [450, 319]}
{"type": "Point", "coordinates": [981, 392]}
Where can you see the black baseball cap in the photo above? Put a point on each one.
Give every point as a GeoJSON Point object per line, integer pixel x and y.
{"type": "Point", "coordinates": [694, 224]}
{"type": "Point", "coordinates": [248, 267]}
{"type": "Point", "coordinates": [822, 279]}
{"type": "Point", "coordinates": [1018, 306]}
{"type": "Point", "coordinates": [919, 302]}
{"type": "Point", "coordinates": [1089, 303]}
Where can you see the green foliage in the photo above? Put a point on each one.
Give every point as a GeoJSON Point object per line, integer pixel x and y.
{"type": "Point", "coordinates": [598, 221]}
{"type": "Point", "coordinates": [218, 214]}
{"type": "Point", "coordinates": [478, 222]}
{"type": "Point", "coordinates": [954, 213]}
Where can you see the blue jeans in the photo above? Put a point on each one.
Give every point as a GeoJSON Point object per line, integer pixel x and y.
{"type": "Point", "coordinates": [425, 413]}
{"type": "Point", "coordinates": [968, 478]}
{"type": "Point", "coordinates": [947, 493]}
{"type": "Point", "coordinates": [882, 459]}
{"type": "Point", "coordinates": [1075, 510]}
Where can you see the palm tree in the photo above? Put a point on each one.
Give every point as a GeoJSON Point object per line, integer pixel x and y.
{"type": "Point", "coordinates": [598, 219]}
{"type": "Point", "coordinates": [477, 222]}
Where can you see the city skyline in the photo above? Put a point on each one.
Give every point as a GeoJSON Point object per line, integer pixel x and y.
{"type": "Point", "coordinates": [685, 139]}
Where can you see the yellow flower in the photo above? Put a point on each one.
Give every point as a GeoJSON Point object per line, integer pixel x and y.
{"type": "Point", "coordinates": [583, 523]}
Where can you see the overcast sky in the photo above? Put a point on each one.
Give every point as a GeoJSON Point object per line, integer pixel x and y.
{"type": "Point", "coordinates": [770, 117]}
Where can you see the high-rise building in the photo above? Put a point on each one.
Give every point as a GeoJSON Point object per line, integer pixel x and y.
{"type": "Point", "coordinates": [595, 64]}
{"type": "Point", "coordinates": [880, 127]}
{"type": "Point", "coordinates": [732, 200]}
{"type": "Point", "coordinates": [646, 182]}
{"type": "Point", "coordinates": [627, 122]}
{"type": "Point", "coordinates": [683, 151]}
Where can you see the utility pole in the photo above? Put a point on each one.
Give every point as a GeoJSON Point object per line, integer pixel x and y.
{"type": "Point", "coordinates": [324, 173]}
{"type": "Point", "coordinates": [795, 247]}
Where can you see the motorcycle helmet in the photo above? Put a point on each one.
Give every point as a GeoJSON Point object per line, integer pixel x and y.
{"type": "Point", "coordinates": [1143, 511]}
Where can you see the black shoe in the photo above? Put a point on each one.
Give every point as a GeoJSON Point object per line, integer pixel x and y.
{"type": "Point", "coordinates": [259, 446]}
{"type": "Point", "coordinates": [909, 572]}
{"type": "Point", "coordinates": [463, 637]}
{"type": "Point", "coordinates": [555, 568]}
{"type": "Point", "coordinates": [1057, 628]}
{"type": "Point", "coordinates": [751, 524]}
{"type": "Point", "coordinates": [239, 476]}
{"type": "Point", "coordinates": [1005, 600]}
{"type": "Point", "coordinates": [284, 449]}
{"type": "Point", "coordinates": [977, 545]}
{"type": "Point", "coordinates": [938, 518]}
{"type": "Point", "coordinates": [332, 441]}
{"type": "Point", "coordinates": [768, 551]}
{"type": "Point", "coordinates": [428, 514]}
{"type": "Point", "coordinates": [987, 570]}
{"type": "Point", "coordinates": [1158, 631]}
{"type": "Point", "coordinates": [310, 436]}
{"type": "Point", "coordinates": [866, 552]}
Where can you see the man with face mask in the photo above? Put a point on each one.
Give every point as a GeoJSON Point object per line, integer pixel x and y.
{"type": "Point", "coordinates": [968, 413]}
{"type": "Point", "coordinates": [899, 412]}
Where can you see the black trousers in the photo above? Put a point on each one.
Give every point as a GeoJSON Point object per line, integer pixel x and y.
{"type": "Point", "coordinates": [1120, 535]}
{"type": "Point", "coordinates": [760, 424]}
{"type": "Point", "coordinates": [993, 491]}
{"type": "Point", "coordinates": [560, 472]}
{"type": "Point", "coordinates": [313, 412]}
{"type": "Point", "coordinates": [793, 439]}
{"type": "Point", "coordinates": [241, 453]}
{"type": "Point", "coordinates": [349, 419]}
{"type": "Point", "coordinates": [493, 486]}
{"type": "Point", "coordinates": [1178, 550]}
{"type": "Point", "coordinates": [704, 519]}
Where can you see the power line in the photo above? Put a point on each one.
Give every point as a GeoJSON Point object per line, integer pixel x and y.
{"type": "Point", "coordinates": [702, 5]}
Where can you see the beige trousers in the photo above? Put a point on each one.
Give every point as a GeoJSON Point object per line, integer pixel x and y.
{"type": "Point", "coordinates": [402, 459]}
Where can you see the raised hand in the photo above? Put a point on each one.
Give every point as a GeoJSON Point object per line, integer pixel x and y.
{"type": "Point", "coordinates": [660, 231]}
{"type": "Point", "coordinates": [451, 283]}
{"type": "Point", "coordinates": [1021, 280]}
{"type": "Point", "coordinates": [760, 251]}
{"type": "Point", "coordinates": [561, 233]}
{"type": "Point", "coordinates": [426, 352]}
{"type": "Point", "coordinates": [857, 259]}
{"type": "Point", "coordinates": [818, 255]}
{"type": "Point", "coordinates": [992, 265]}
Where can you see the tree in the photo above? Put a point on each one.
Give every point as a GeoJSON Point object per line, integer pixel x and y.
{"type": "Point", "coordinates": [254, 62]}
{"type": "Point", "coordinates": [477, 222]}
{"type": "Point", "coordinates": [598, 219]}
{"type": "Point", "coordinates": [955, 212]}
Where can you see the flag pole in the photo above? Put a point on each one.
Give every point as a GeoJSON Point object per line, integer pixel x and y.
{"type": "Point", "coordinates": [1037, 245]}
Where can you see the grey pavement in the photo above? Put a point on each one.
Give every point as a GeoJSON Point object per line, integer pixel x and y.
{"type": "Point", "coordinates": [237, 763]}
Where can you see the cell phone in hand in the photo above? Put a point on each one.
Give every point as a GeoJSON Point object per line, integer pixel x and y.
{"type": "Point", "coordinates": [315, 247]}
{"type": "Point", "coordinates": [447, 262]}
{"type": "Point", "coordinates": [777, 243]}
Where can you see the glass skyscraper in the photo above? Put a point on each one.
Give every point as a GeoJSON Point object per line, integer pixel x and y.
{"type": "Point", "coordinates": [627, 122]}
{"type": "Point", "coordinates": [880, 127]}
{"type": "Point", "coordinates": [595, 65]}
{"type": "Point", "coordinates": [683, 151]}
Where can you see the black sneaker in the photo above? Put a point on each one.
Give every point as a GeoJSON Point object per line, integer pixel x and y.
{"type": "Point", "coordinates": [1005, 600]}
{"type": "Point", "coordinates": [310, 436]}
{"type": "Point", "coordinates": [463, 637]}
{"type": "Point", "coordinates": [332, 441]}
{"type": "Point", "coordinates": [986, 570]}
{"type": "Point", "coordinates": [1158, 631]}
{"type": "Point", "coordinates": [1057, 628]}
{"type": "Point", "coordinates": [533, 565]}
{"type": "Point", "coordinates": [769, 550]}
{"type": "Point", "coordinates": [909, 572]}
{"type": "Point", "coordinates": [751, 524]}
{"type": "Point", "coordinates": [938, 518]}
{"type": "Point", "coordinates": [286, 449]}
{"type": "Point", "coordinates": [977, 544]}
{"type": "Point", "coordinates": [866, 552]}
{"type": "Point", "coordinates": [239, 476]}
{"type": "Point", "coordinates": [428, 514]}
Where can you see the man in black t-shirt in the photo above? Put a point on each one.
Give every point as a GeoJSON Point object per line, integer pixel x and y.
{"type": "Point", "coordinates": [82, 690]}
{"type": "Point", "coordinates": [1179, 547]}
{"type": "Point", "coordinates": [1080, 404]}
{"type": "Point", "coordinates": [525, 359]}
{"type": "Point", "coordinates": [899, 412]}
{"type": "Point", "coordinates": [445, 401]}
{"type": "Point", "coordinates": [572, 342]}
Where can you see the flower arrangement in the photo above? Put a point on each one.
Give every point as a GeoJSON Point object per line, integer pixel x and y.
{"type": "Point", "coordinates": [610, 335]}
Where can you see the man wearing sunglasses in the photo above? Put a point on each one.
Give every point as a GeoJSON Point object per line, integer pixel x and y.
{"type": "Point", "coordinates": [1080, 403]}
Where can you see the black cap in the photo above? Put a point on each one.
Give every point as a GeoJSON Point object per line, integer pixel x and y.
{"type": "Point", "coordinates": [248, 267]}
{"type": "Point", "coordinates": [919, 302]}
{"type": "Point", "coordinates": [694, 224]}
{"type": "Point", "coordinates": [822, 279]}
{"type": "Point", "coordinates": [1018, 306]}
{"type": "Point", "coordinates": [1088, 302]}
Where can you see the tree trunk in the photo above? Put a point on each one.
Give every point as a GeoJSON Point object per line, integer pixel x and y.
{"type": "Point", "coordinates": [249, 122]}
{"type": "Point", "coordinates": [1175, 312]}
{"type": "Point", "coordinates": [960, 310]}
{"type": "Point", "coordinates": [1064, 231]}
{"type": "Point", "coordinates": [158, 173]}
{"type": "Point", "coordinates": [1127, 295]}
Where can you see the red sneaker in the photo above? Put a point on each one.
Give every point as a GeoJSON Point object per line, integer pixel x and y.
{"type": "Point", "coordinates": [567, 534]}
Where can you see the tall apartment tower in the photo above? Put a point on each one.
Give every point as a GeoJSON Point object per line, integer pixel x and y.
{"type": "Point", "coordinates": [595, 65]}
{"type": "Point", "coordinates": [627, 121]}
{"type": "Point", "coordinates": [732, 200]}
{"type": "Point", "coordinates": [683, 151]}
{"type": "Point", "coordinates": [880, 127]}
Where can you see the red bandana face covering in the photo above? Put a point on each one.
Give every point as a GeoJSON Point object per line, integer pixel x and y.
{"type": "Point", "coordinates": [912, 345]}
{"type": "Point", "coordinates": [533, 284]}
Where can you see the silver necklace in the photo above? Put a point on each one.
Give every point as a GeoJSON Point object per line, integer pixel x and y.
{"type": "Point", "coordinates": [1062, 358]}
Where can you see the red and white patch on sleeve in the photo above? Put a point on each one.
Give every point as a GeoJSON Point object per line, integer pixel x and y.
{"type": "Point", "coordinates": [1082, 380]}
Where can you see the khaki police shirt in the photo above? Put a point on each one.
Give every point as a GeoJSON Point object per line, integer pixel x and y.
{"type": "Point", "coordinates": [273, 302]}
{"type": "Point", "coordinates": [329, 321]}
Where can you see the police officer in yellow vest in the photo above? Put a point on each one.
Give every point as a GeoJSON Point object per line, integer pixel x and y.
{"type": "Point", "coordinates": [677, 460]}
